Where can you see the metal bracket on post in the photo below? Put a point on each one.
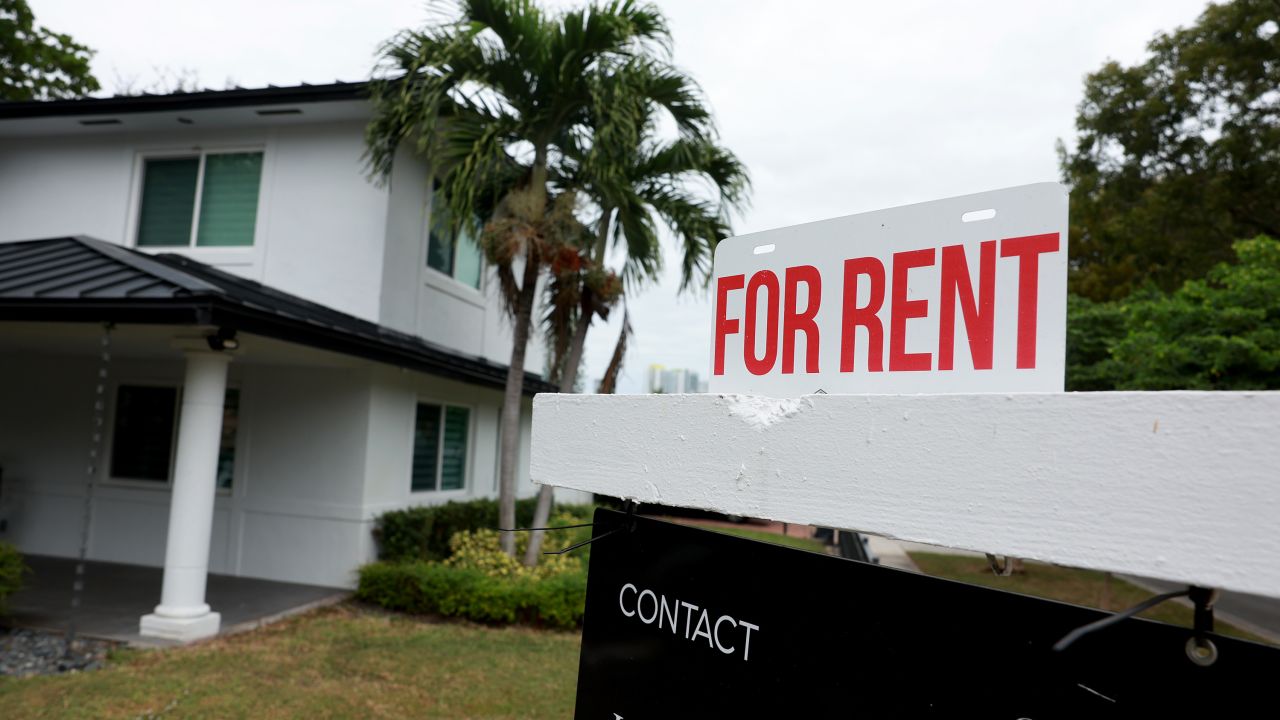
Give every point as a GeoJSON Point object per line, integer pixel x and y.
{"type": "Point", "coordinates": [1200, 649]}
{"type": "Point", "coordinates": [1004, 570]}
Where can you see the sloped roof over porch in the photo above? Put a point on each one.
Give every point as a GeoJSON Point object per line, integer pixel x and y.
{"type": "Point", "coordinates": [83, 279]}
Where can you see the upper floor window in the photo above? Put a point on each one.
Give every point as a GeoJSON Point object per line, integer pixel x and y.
{"type": "Point", "coordinates": [455, 254]}
{"type": "Point", "coordinates": [208, 199]}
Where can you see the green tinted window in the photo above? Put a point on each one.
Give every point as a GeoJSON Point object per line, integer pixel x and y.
{"type": "Point", "coordinates": [440, 448]}
{"type": "Point", "coordinates": [453, 253]}
{"type": "Point", "coordinates": [168, 199]}
{"type": "Point", "coordinates": [229, 200]}
{"type": "Point", "coordinates": [426, 447]}
{"type": "Point", "coordinates": [453, 465]}
{"type": "Point", "coordinates": [440, 238]}
{"type": "Point", "coordinates": [466, 261]}
{"type": "Point", "coordinates": [227, 448]}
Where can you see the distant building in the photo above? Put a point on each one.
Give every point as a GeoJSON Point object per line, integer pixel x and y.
{"type": "Point", "coordinates": [674, 381]}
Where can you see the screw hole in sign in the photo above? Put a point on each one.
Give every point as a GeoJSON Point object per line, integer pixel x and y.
{"type": "Point", "coordinates": [764, 249]}
{"type": "Point", "coordinates": [977, 215]}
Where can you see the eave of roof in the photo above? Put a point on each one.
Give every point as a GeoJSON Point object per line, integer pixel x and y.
{"type": "Point", "coordinates": [237, 97]}
{"type": "Point", "coordinates": [88, 280]}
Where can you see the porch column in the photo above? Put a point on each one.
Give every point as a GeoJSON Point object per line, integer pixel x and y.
{"type": "Point", "coordinates": [182, 613]}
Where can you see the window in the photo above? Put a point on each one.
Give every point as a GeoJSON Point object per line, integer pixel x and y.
{"type": "Point", "coordinates": [145, 434]}
{"type": "Point", "coordinates": [227, 448]}
{"type": "Point", "coordinates": [142, 446]}
{"type": "Point", "coordinates": [454, 254]}
{"type": "Point", "coordinates": [204, 200]}
{"type": "Point", "coordinates": [440, 447]}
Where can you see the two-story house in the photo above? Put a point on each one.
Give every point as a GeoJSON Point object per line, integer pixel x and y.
{"type": "Point", "coordinates": [251, 348]}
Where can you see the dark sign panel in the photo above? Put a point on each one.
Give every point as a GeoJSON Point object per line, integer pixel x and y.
{"type": "Point", "coordinates": [690, 623]}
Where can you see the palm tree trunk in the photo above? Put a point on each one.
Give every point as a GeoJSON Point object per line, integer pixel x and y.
{"type": "Point", "coordinates": [511, 402]}
{"type": "Point", "coordinates": [609, 383]}
{"type": "Point", "coordinates": [568, 378]}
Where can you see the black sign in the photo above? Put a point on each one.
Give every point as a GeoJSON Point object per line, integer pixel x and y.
{"type": "Point", "coordinates": [682, 622]}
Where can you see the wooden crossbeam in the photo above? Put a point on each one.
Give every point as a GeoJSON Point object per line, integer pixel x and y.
{"type": "Point", "coordinates": [1181, 486]}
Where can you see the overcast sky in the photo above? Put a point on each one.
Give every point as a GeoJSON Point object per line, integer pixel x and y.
{"type": "Point", "coordinates": [835, 107]}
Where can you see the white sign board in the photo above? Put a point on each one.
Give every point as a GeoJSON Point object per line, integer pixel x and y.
{"type": "Point", "coordinates": [967, 294]}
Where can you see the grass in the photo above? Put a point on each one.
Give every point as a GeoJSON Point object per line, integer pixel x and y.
{"type": "Point", "coordinates": [787, 540]}
{"type": "Point", "coordinates": [1081, 587]}
{"type": "Point", "coordinates": [335, 663]}
{"type": "Point", "coordinates": [348, 661]}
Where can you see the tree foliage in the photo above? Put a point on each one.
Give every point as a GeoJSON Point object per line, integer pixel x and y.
{"type": "Point", "coordinates": [37, 63]}
{"type": "Point", "coordinates": [1177, 156]}
{"type": "Point", "coordinates": [1219, 332]}
{"type": "Point", "coordinates": [493, 96]}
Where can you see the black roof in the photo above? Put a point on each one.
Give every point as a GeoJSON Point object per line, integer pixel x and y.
{"type": "Point", "coordinates": [83, 279]}
{"type": "Point", "coordinates": [201, 99]}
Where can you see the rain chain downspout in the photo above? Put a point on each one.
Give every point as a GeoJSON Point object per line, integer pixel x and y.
{"type": "Point", "coordinates": [91, 472]}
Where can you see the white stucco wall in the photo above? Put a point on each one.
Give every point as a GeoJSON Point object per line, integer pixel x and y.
{"type": "Point", "coordinates": [393, 397]}
{"type": "Point", "coordinates": [320, 224]}
{"type": "Point", "coordinates": [421, 300]}
{"type": "Point", "coordinates": [294, 512]}
{"type": "Point", "coordinates": [325, 231]}
{"type": "Point", "coordinates": [321, 452]}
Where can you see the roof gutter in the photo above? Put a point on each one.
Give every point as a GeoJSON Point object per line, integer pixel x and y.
{"type": "Point", "coordinates": [185, 101]}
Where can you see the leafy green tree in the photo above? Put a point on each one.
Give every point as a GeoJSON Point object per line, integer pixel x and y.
{"type": "Point", "coordinates": [1220, 332]}
{"type": "Point", "coordinates": [492, 98]}
{"type": "Point", "coordinates": [37, 63]}
{"type": "Point", "coordinates": [1093, 329]}
{"type": "Point", "coordinates": [641, 182]}
{"type": "Point", "coordinates": [1176, 157]}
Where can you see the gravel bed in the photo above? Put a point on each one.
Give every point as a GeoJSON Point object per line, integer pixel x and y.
{"type": "Point", "coordinates": [25, 652]}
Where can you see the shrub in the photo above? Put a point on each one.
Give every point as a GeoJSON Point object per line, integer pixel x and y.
{"type": "Point", "coordinates": [12, 570]}
{"type": "Point", "coordinates": [422, 533]}
{"type": "Point", "coordinates": [554, 601]}
{"type": "Point", "coordinates": [480, 550]}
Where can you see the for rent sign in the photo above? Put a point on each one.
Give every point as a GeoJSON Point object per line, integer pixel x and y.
{"type": "Point", "coordinates": [966, 294]}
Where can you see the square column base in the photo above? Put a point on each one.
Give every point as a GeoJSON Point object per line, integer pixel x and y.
{"type": "Point", "coordinates": [180, 629]}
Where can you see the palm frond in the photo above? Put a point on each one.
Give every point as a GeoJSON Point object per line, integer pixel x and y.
{"type": "Point", "coordinates": [698, 226]}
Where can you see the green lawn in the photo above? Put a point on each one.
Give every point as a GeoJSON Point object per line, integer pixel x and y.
{"type": "Point", "coordinates": [776, 539]}
{"type": "Point", "coordinates": [1081, 587]}
{"type": "Point", "coordinates": [352, 662]}
{"type": "Point", "coordinates": [342, 662]}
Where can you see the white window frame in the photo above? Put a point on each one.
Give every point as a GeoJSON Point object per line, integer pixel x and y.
{"type": "Point", "coordinates": [468, 454]}
{"type": "Point", "coordinates": [109, 444]}
{"type": "Point", "coordinates": [200, 152]}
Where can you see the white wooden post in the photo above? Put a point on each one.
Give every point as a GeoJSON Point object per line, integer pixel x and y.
{"type": "Point", "coordinates": [1182, 486]}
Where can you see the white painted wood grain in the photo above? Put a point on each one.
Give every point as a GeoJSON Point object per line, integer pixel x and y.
{"type": "Point", "coordinates": [1182, 486]}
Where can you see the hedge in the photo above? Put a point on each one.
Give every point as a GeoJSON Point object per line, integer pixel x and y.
{"type": "Point", "coordinates": [422, 533]}
{"type": "Point", "coordinates": [422, 587]}
{"type": "Point", "coordinates": [12, 570]}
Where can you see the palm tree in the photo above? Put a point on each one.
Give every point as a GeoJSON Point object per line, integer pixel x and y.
{"type": "Point", "coordinates": [639, 182]}
{"type": "Point", "coordinates": [492, 99]}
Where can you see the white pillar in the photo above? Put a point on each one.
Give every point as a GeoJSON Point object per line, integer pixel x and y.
{"type": "Point", "coordinates": [182, 613]}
